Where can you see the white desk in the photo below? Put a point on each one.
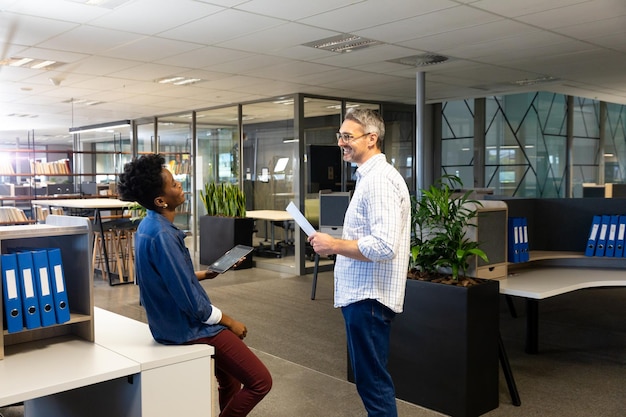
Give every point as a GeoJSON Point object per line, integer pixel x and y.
{"type": "Point", "coordinates": [123, 373]}
{"type": "Point", "coordinates": [540, 283]}
{"type": "Point", "coordinates": [49, 366]}
{"type": "Point", "coordinates": [175, 380]}
{"type": "Point", "coordinates": [86, 203]}
{"type": "Point", "coordinates": [271, 216]}
{"type": "Point", "coordinates": [536, 284]}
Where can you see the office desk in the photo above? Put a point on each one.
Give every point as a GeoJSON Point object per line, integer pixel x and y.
{"type": "Point", "coordinates": [123, 372]}
{"type": "Point", "coordinates": [535, 284]}
{"type": "Point", "coordinates": [86, 203]}
{"type": "Point", "coordinates": [271, 216]}
{"type": "Point", "coordinates": [75, 206]}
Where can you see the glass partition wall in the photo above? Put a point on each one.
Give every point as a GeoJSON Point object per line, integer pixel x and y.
{"type": "Point", "coordinates": [536, 145]}
{"type": "Point", "coordinates": [99, 157]}
{"type": "Point", "coordinates": [278, 150]}
{"type": "Point", "coordinates": [217, 152]}
{"type": "Point", "coordinates": [270, 167]}
{"type": "Point", "coordinates": [146, 135]}
{"type": "Point", "coordinates": [174, 140]}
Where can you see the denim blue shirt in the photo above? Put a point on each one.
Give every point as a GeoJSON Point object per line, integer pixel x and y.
{"type": "Point", "coordinates": [176, 304]}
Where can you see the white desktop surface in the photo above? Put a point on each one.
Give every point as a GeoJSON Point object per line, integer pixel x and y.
{"type": "Point", "coordinates": [271, 215]}
{"type": "Point", "coordinates": [133, 339]}
{"type": "Point", "coordinates": [540, 283]}
{"type": "Point", "coordinates": [49, 366]}
{"type": "Point", "coordinates": [86, 203]}
{"type": "Point", "coordinates": [123, 372]}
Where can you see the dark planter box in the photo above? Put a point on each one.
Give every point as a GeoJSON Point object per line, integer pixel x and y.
{"type": "Point", "coordinates": [219, 234]}
{"type": "Point", "coordinates": [444, 348]}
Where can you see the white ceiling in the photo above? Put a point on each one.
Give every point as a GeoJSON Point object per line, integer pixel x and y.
{"type": "Point", "coordinates": [250, 50]}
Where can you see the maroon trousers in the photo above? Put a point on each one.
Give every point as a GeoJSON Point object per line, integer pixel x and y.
{"type": "Point", "coordinates": [236, 365]}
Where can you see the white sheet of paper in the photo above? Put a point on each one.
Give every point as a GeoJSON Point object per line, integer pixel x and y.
{"type": "Point", "coordinates": [300, 219]}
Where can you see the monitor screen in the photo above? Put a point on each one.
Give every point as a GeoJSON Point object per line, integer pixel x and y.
{"type": "Point", "coordinates": [333, 208]}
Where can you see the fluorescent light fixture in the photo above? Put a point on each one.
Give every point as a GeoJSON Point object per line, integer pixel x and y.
{"type": "Point", "coordinates": [32, 63]}
{"type": "Point", "coordinates": [503, 147]}
{"type": "Point", "coordinates": [42, 64]}
{"type": "Point", "coordinates": [101, 126]}
{"type": "Point", "coordinates": [338, 106]}
{"type": "Point", "coordinates": [169, 80]}
{"type": "Point", "coordinates": [187, 81]}
{"type": "Point", "coordinates": [23, 115]}
{"type": "Point", "coordinates": [285, 101]}
{"type": "Point", "coordinates": [20, 62]}
{"type": "Point", "coordinates": [178, 80]}
{"type": "Point", "coordinates": [281, 164]}
{"type": "Point", "coordinates": [343, 43]}
{"type": "Point", "coordinates": [538, 80]}
{"type": "Point", "coordinates": [107, 4]}
{"type": "Point", "coordinates": [83, 101]}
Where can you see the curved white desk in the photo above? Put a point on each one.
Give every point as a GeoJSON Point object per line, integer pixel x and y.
{"type": "Point", "coordinates": [536, 284]}
{"type": "Point", "coordinates": [543, 283]}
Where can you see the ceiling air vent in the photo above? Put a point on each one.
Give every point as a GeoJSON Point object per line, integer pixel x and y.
{"type": "Point", "coordinates": [422, 60]}
{"type": "Point", "coordinates": [343, 43]}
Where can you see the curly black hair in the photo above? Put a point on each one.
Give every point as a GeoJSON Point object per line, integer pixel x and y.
{"type": "Point", "coordinates": [142, 181]}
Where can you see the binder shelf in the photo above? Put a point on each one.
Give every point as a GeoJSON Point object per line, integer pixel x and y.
{"type": "Point", "coordinates": [72, 235]}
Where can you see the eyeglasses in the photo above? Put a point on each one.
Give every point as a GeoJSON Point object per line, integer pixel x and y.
{"type": "Point", "coordinates": [347, 138]}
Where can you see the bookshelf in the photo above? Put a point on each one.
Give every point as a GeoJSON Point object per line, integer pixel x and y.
{"type": "Point", "coordinates": [73, 236]}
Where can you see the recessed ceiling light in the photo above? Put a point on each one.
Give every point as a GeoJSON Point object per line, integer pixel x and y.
{"type": "Point", "coordinates": [177, 80]}
{"type": "Point", "coordinates": [539, 80]}
{"type": "Point", "coordinates": [24, 62]}
{"type": "Point", "coordinates": [187, 81]}
{"type": "Point", "coordinates": [338, 106]}
{"type": "Point", "coordinates": [107, 4]}
{"type": "Point", "coordinates": [42, 64]}
{"type": "Point", "coordinates": [83, 101]}
{"type": "Point", "coordinates": [343, 43]}
{"type": "Point", "coordinates": [23, 115]}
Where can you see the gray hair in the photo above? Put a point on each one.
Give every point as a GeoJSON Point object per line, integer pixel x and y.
{"type": "Point", "coordinates": [370, 120]}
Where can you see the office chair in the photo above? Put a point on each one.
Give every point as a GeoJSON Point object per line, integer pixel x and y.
{"type": "Point", "coordinates": [333, 206]}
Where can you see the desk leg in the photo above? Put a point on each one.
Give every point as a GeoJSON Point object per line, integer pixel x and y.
{"type": "Point", "coordinates": [532, 326]}
{"type": "Point", "coordinates": [98, 219]}
{"type": "Point", "coordinates": [265, 221]}
{"type": "Point", "coordinates": [508, 373]}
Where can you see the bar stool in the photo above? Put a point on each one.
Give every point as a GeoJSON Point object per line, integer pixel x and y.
{"type": "Point", "coordinates": [106, 241]}
{"type": "Point", "coordinates": [117, 239]}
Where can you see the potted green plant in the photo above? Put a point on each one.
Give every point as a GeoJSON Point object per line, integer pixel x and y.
{"type": "Point", "coordinates": [444, 346]}
{"type": "Point", "coordinates": [440, 219]}
{"type": "Point", "coordinates": [225, 223]}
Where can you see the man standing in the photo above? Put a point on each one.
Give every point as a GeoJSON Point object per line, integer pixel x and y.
{"type": "Point", "coordinates": [372, 257]}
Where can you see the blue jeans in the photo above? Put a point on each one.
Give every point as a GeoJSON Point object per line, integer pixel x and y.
{"type": "Point", "coordinates": [368, 325]}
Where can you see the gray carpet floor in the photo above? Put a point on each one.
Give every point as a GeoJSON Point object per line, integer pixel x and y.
{"type": "Point", "coordinates": [580, 369]}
